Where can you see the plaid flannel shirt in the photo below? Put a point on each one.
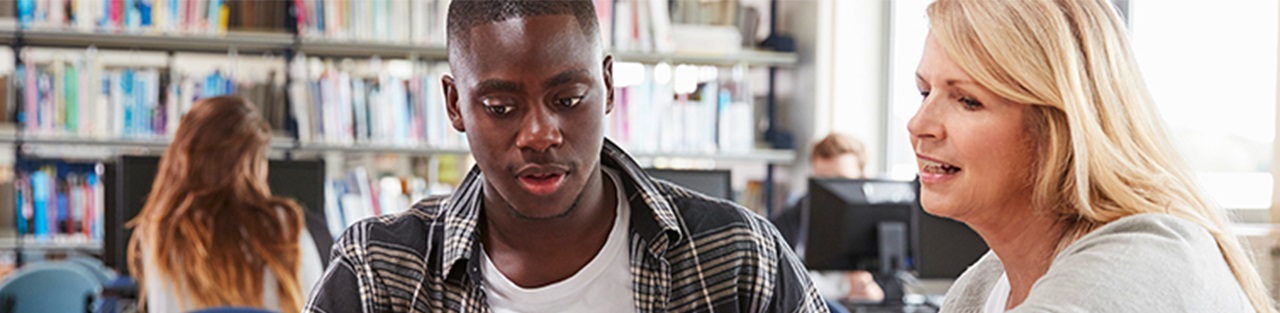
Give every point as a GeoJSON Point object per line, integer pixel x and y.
{"type": "Point", "coordinates": [689, 253]}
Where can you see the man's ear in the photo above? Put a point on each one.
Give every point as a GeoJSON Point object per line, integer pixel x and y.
{"type": "Point", "coordinates": [608, 84]}
{"type": "Point", "coordinates": [451, 102]}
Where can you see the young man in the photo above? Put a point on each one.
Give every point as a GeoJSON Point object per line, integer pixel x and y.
{"type": "Point", "coordinates": [554, 218]}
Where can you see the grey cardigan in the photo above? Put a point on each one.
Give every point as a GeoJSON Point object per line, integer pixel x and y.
{"type": "Point", "coordinates": [1140, 263]}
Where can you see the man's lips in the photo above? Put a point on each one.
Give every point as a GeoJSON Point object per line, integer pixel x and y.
{"type": "Point", "coordinates": [542, 179]}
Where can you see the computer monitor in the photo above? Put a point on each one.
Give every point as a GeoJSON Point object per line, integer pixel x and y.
{"type": "Point", "coordinates": [713, 183]}
{"type": "Point", "coordinates": [947, 247]}
{"type": "Point", "coordinates": [129, 179]}
{"type": "Point", "coordinates": [860, 224]}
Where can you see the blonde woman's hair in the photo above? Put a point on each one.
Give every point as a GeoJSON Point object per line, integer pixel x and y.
{"type": "Point", "coordinates": [1102, 150]}
{"type": "Point", "coordinates": [210, 224]}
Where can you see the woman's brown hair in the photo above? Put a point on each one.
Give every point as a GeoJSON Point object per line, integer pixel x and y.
{"type": "Point", "coordinates": [210, 224]}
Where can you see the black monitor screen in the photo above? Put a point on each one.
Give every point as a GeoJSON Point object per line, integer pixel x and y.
{"type": "Point", "coordinates": [844, 219]}
{"type": "Point", "coordinates": [714, 183]}
{"type": "Point", "coordinates": [947, 247]}
{"type": "Point", "coordinates": [129, 182]}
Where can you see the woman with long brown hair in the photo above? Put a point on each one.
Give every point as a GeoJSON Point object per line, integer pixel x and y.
{"type": "Point", "coordinates": [211, 234]}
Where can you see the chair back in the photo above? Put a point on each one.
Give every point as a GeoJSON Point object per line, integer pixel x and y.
{"type": "Point", "coordinates": [94, 266]}
{"type": "Point", "coordinates": [56, 286]}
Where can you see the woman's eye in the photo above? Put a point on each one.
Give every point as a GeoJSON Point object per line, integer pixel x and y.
{"type": "Point", "coordinates": [970, 103]}
{"type": "Point", "coordinates": [924, 93]}
{"type": "Point", "coordinates": [569, 102]}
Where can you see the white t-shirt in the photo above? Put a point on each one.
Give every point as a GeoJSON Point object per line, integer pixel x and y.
{"type": "Point", "coordinates": [603, 285]}
{"type": "Point", "coordinates": [999, 296]}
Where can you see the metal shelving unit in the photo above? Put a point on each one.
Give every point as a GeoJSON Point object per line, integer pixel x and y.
{"type": "Point", "coordinates": [749, 57]}
{"type": "Point", "coordinates": [285, 144]}
{"type": "Point", "coordinates": [290, 44]}
{"type": "Point", "coordinates": [243, 42]}
{"type": "Point", "coordinates": [333, 48]}
{"type": "Point", "coordinates": [773, 156]}
{"type": "Point", "coordinates": [12, 137]}
{"type": "Point", "coordinates": [8, 30]}
{"type": "Point", "coordinates": [324, 47]}
{"type": "Point", "coordinates": [770, 156]}
{"type": "Point", "coordinates": [379, 148]}
{"type": "Point", "coordinates": [11, 243]}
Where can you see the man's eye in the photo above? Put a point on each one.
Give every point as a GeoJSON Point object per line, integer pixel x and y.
{"type": "Point", "coordinates": [569, 102]}
{"type": "Point", "coordinates": [499, 109]}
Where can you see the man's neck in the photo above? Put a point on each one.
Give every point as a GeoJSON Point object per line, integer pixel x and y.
{"type": "Point", "coordinates": [534, 253]}
{"type": "Point", "coordinates": [1026, 243]}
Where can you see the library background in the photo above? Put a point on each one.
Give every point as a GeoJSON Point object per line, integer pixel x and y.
{"type": "Point", "coordinates": [722, 96]}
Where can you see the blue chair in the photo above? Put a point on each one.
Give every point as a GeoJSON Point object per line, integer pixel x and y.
{"type": "Point", "coordinates": [50, 287]}
{"type": "Point", "coordinates": [95, 267]}
{"type": "Point", "coordinates": [233, 310]}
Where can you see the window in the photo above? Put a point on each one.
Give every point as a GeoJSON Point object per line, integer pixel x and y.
{"type": "Point", "coordinates": [909, 28]}
{"type": "Point", "coordinates": [1211, 67]}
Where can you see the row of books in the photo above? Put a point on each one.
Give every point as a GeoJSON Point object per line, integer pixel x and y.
{"type": "Point", "coordinates": [658, 108]}
{"type": "Point", "coordinates": [694, 26]}
{"type": "Point", "coordinates": [636, 25]}
{"type": "Point", "coordinates": [78, 94]}
{"type": "Point", "coordinates": [394, 21]}
{"type": "Point", "coordinates": [397, 102]}
{"type": "Point", "coordinates": [687, 109]}
{"type": "Point", "coordinates": [154, 16]}
{"type": "Point", "coordinates": [57, 199]}
{"type": "Point", "coordinates": [358, 195]}
{"type": "Point", "coordinates": [60, 99]}
{"type": "Point", "coordinates": [626, 25]}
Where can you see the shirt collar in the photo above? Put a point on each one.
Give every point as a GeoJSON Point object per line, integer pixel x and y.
{"type": "Point", "coordinates": [462, 214]}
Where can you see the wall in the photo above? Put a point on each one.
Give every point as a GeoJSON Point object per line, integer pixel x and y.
{"type": "Point", "coordinates": [839, 84]}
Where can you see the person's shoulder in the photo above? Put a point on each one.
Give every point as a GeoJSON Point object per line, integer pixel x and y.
{"type": "Point", "coordinates": [408, 231]}
{"type": "Point", "coordinates": [1144, 262]}
{"type": "Point", "coordinates": [1152, 233]}
{"type": "Point", "coordinates": [1150, 244]}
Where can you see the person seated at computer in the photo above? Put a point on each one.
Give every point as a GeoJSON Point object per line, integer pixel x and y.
{"type": "Point", "coordinates": [836, 155]}
{"type": "Point", "coordinates": [210, 233]}
{"type": "Point", "coordinates": [1036, 130]}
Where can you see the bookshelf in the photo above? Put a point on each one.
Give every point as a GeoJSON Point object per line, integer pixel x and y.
{"type": "Point", "coordinates": [13, 138]}
{"type": "Point", "coordinates": [242, 42]}
{"type": "Point", "coordinates": [92, 246]}
{"type": "Point", "coordinates": [377, 148]}
{"type": "Point", "coordinates": [303, 42]}
{"type": "Point", "coordinates": [335, 48]}
{"type": "Point", "coordinates": [341, 48]}
{"type": "Point", "coordinates": [770, 156]}
{"type": "Point", "coordinates": [746, 57]}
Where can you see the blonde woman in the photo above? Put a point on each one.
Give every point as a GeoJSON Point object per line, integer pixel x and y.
{"type": "Point", "coordinates": [1037, 131]}
{"type": "Point", "coordinates": [211, 234]}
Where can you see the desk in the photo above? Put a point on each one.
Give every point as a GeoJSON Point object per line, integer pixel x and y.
{"type": "Point", "coordinates": [909, 308]}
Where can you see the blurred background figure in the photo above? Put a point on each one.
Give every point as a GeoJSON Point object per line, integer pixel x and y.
{"type": "Point", "coordinates": [211, 234]}
{"type": "Point", "coordinates": [837, 155]}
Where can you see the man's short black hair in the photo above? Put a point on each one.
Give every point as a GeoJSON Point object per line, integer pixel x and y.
{"type": "Point", "coordinates": [465, 14]}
